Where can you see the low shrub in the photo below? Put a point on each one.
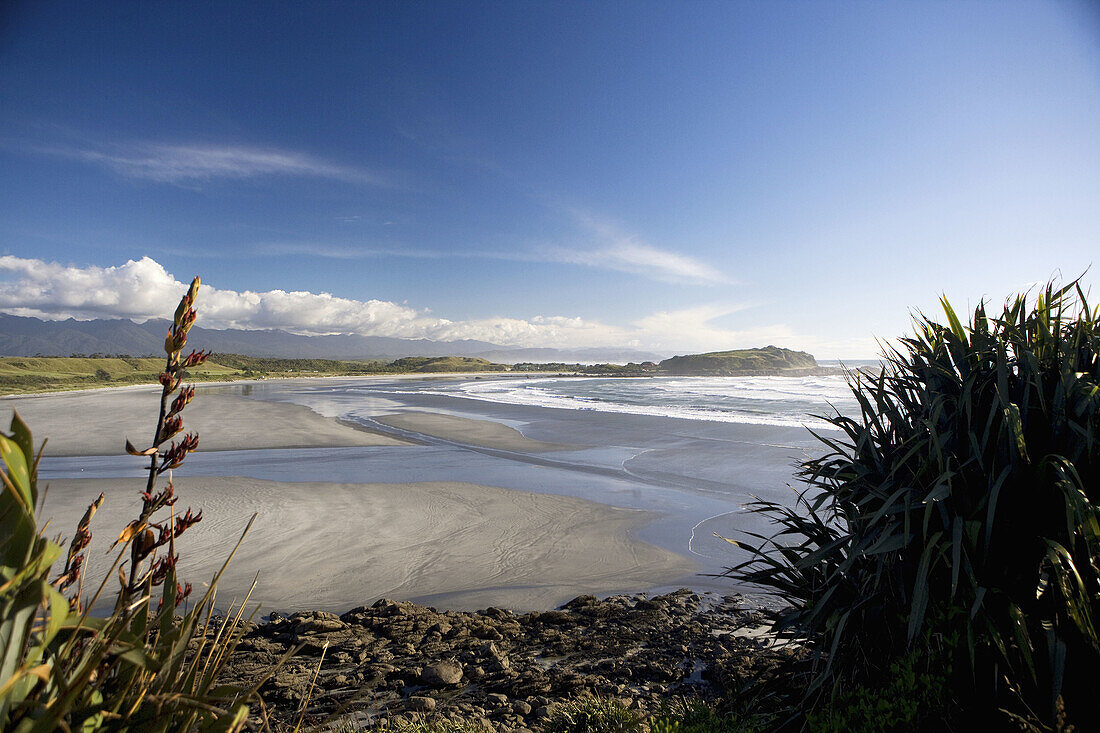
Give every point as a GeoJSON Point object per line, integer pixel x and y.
{"type": "Point", "coordinates": [592, 715]}
{"type": "Point", "coordinates": [695, 716]}
{"type": "Point", "coordinates": [965, 490]}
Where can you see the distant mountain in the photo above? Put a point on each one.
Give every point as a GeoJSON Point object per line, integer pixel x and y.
{"type": "Point", "coordinates": [21, 336]}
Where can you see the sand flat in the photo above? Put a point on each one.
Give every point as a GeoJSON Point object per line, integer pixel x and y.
{"type": "Point", "coordinates": [97, 422]}
{"type": "Point", "coordinates": [484, 433]}
{"type": "Point", "coordinates": [334, 546]}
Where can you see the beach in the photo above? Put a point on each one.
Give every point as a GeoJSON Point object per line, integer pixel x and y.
{"type": "Point", "coordinates": [98, 422]}
{"type": "Point", "coordinates": [372, 487]}
{"type": "Point", "coordinates": [330, 546]}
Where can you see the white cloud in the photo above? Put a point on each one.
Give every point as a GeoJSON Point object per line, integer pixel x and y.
{"type": "Point", "coordinates": [618, 250]}
{"type": "Point", "coordinates": [143, 289]}
{"type": "Point", "coordinates": [196, 163]}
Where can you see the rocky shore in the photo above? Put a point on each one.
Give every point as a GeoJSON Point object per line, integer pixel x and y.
{"type": "Point", "coordinates": [503, 669]}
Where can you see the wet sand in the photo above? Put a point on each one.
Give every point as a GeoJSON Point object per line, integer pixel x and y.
{"type": "Point", "coordinates": [98, 422]}
{"type": "Point", "coordinates": [332, 546]}
{"type": "Point", "coordinates": [484, 433]}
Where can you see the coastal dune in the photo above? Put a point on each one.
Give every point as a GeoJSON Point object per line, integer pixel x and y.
{"type": "Point", "coordinates": [329, 546]}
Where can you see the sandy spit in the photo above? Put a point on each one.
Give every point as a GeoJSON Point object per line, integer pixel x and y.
{"type": "Point", "coordinates": [335, 546]}
{"type": "Point", "coordinates": [485, 433]}
{"type": "Point", "coordinates": [92, 423]}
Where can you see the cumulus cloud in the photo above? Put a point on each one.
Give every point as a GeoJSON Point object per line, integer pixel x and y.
{"type": "Point", "coordinates": [196, 163]}
{"type": "Point", "coordinates": [143, 289]}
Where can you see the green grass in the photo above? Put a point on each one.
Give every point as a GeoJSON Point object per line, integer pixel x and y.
{"type": "Point", "coordinates": [46, 373]}
{"type": "Point", "coordinates": [21, 375]}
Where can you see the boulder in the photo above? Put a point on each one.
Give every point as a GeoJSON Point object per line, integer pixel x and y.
{"type": "Point", "coordinates": [442, 674]}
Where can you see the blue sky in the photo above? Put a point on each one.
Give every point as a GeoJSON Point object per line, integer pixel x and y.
{"type": "Point", "coordinates": [669, 176]}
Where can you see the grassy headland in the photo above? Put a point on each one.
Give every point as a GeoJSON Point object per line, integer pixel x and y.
{"type": "Point", "coordinates": [23, 375]}
{"type": "Point", "coordinates": [770, 360]}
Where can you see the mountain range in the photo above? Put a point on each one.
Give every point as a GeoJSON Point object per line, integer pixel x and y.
{"type": "Point", "coordinates": [22, 336]}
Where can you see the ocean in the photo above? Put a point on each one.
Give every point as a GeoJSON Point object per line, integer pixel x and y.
{"type": "Point", "coordinates": [787, 401]}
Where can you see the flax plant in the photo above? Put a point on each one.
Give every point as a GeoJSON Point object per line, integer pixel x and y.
{"type": "Point", "coordinates": [957, 517]}
{"type": "Point", "coordinates": [142, 668]}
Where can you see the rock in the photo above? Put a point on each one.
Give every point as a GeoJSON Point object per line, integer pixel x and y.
{"type": "Point", "coordinates": [637, 648]}
{"type": "Point", "coordinates": [581, 602]}
{"type": "Point", "coordinates": [317, 622]}
{"type": "Point", "coordinates": [442, 674]}
{"type": "Point", "coordinates": [498, 661]}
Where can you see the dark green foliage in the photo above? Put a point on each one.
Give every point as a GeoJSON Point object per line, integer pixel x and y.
{"type": "Point", "coordinates": [965, 491]}
{"type": "Point", "coordinates": [592, 715]}
{"type": "Point", "coordinates": [768, 360]}
{"type": "Point", "coordinates": [698, 717]}
{"type": "Point", "coordinates": [914, 694]}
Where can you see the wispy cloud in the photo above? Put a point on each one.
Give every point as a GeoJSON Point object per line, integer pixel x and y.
{"type": "Point", "coordinates": [189, 164]}
{"type": "Point", "coordinates": [615, 249]}
{"type": "Point", "coordinates": [142, 289]}
{"type": "Point", "coordinates": [623, 255]}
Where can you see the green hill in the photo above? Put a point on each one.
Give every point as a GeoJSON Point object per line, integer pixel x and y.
{"type": "Point", "coordinates": [770, 360]}
{"type": "Point", "coordinates": [445, 364]}
{"type": "Point", "coordinates": [44, 373]}
{"type": "Point", "coordinates": [49, 373]}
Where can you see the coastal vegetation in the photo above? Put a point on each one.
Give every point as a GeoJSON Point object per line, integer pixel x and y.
{"type": "Point", "coordinates": [49, 373]}
{"type": "Point", "coordinates": [770, 360]}
{"type": "Point", "coordinates": [943, 557]}
{"type": "Point", "coordinates": [142, 667]}
{"type": "Point", "coordinates": [52, 373]}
